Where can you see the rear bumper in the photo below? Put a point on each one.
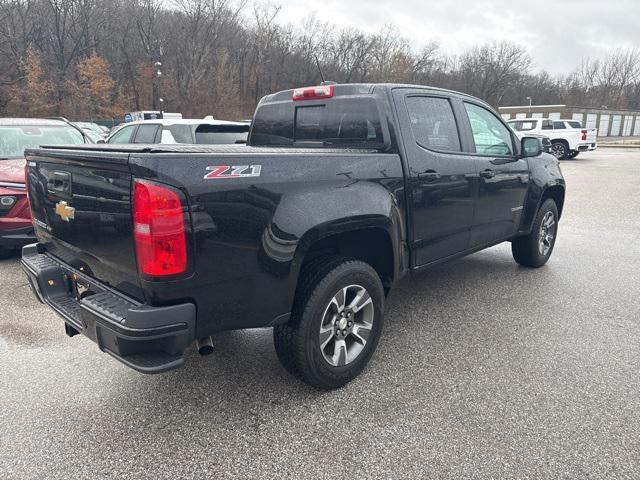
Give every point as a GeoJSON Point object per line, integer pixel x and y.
{"type": "Point", "coordinates": [147, 339]}
{"type": "Point", "coordinates": [16, 238]}
{"type": "Point", "coordinates": [587, 147]}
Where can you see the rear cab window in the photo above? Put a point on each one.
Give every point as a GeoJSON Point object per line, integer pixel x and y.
{"type": "Point", "coordinates": [349, 121]}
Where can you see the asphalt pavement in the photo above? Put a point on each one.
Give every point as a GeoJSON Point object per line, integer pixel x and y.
{"type": "Point", "coordinates": [485, 370]}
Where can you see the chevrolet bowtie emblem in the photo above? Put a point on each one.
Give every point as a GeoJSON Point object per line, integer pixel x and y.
{"type": "Point", "coordinates": [65, 211]}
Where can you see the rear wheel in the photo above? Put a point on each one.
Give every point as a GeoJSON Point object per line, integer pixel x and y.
{"type": "Point", "coordinates": [535, 249]}
{"type": "Point", "coordinates": [335, 326]}
{"type": "Point", "coordinates": [559, 149]}
{"type": "Point", "coordinates": [572, 154]}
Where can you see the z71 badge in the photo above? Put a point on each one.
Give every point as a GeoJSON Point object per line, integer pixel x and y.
{"type": "Point", "coordinates": [229, 171]}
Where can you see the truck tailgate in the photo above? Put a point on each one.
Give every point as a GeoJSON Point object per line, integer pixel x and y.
{"type": "Point", "coordinates": [81, 206]}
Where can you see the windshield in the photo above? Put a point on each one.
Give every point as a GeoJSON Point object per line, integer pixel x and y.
{"type": "Point", "coordinates": [15, 139]}
{"type": "Point", "coordinates": [345, 122]}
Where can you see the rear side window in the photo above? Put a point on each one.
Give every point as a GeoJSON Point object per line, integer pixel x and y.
{"type": "Point", "coordinates": [147, 133]}
{"type": "Point", "coordinates": [559, 126]}
{"type": "Point", "coordinates": [433, 123]}
{"type": "Point", "coordinates": [348, 122]}
{"type": "Point", "coordinates": [575, 124]}
{"type": "Point", "coordinates": [547, 125]}
{"type": "Point", "coordinates": [221, 134]}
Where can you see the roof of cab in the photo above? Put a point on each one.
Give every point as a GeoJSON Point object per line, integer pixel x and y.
{"type": "Point", "coordinates": [346, 89]}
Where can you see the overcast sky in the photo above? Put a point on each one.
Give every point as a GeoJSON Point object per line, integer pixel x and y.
{"type": "Point", "coordinates": [557, 33]}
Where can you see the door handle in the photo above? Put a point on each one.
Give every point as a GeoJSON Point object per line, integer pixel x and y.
{"type": "Point", "coordinates": [430, 175]}
{"type": "Point", "coordinates": [487, 173]}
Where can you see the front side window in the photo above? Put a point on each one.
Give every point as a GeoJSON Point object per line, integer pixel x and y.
{"type": "Point", "coordinates": [490, 135]}
{"type": "Point", "coordinates": [433, 123]}
{"type": "Point", "coordinates": [547, 125]}
{"type": "Point", "coordinates": [123, 135]}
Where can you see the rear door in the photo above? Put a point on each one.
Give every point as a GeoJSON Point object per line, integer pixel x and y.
{"type": "Point", "coordinates": [441, 177]}
{"type": "Point", "coordinates": [503, 176]}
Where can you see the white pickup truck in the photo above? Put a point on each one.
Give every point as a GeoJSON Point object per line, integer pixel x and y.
{"type": "Point", "coordinates": [568, 137]}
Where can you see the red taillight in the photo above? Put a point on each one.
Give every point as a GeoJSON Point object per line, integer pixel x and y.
{"type": "Point", "coordinates": [159, 231]}
{"type": "Point", "coordinates": [313, 93]}
{"type": "Point", "coordinates": [584, 135]}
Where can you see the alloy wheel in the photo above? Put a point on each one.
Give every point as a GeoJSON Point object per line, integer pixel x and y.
{"type": "Point", "coordinates": [346, 325]}
{"type": "Point", "coordinates": [547, 233]}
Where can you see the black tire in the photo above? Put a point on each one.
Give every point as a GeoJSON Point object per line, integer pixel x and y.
{"type": "Point", "coordinates": [527, 250]}
{"type": "Point", "coordinates": [572, 154]}
{"type": "Point", "coordinates": [6, 253]}
{"type": "Point", "coordinates": [559, 149]}
{"type": "Point", "coordinates": [297, 343]}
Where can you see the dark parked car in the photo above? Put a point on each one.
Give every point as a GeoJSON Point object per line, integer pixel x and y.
{"type": "Point", "coordinates": [17, 134]}
{"type": "Point", "coordinates": [342, 191]}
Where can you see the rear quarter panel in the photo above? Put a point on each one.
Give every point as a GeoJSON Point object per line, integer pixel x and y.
{"type": "Point", "coordinates": [250, 233]}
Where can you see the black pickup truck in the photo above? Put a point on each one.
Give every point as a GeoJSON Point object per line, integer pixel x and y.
{"type": "Point", "coordinates": [341, 191]}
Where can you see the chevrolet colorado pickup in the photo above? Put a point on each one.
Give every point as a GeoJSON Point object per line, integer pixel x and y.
{"type": "Point", "coordinates": [341, 191]}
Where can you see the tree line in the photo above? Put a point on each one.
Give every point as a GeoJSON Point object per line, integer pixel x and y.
{"type": "Point", "coordinates": [94, 59]}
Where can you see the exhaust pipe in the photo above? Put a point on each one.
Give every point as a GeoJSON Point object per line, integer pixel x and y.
{"type": "Point", "coordinates": [205, 346]}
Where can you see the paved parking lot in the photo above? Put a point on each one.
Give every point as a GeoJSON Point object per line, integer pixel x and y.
{"type": "Point", "coordinates": [485, 370]}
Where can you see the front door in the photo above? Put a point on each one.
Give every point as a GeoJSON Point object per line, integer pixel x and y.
{"type": "Point", "coordinates": [504, 177]}
{"type": "Point", "coordinates": [441, 177]}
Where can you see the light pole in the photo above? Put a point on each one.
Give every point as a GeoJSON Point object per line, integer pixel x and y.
{"type": "Point", "coordinates": [530, 102]}
{"type": "Point", "coordinates": [157, 78]}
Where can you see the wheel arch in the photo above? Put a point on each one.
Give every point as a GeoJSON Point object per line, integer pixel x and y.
{"type": "Point", "coordinates": [557, 194]}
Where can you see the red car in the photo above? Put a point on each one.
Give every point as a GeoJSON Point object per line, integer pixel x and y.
{"type": "Point", "coordinates": [16, 134]}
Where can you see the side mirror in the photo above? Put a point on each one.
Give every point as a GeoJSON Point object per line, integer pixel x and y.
{"type": "Point", "coordinates": [101, 141]}
{"type": "Point", "coordinates": [531, 147]}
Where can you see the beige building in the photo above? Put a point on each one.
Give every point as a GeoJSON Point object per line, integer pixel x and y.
{"type": "Point", "coordinates": [610, 123]}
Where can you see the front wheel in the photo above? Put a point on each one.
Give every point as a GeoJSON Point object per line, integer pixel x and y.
{"type": "Point", "coordinates": [335, 326]}
{"type": "Point", "coordinates": [535, 249]}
